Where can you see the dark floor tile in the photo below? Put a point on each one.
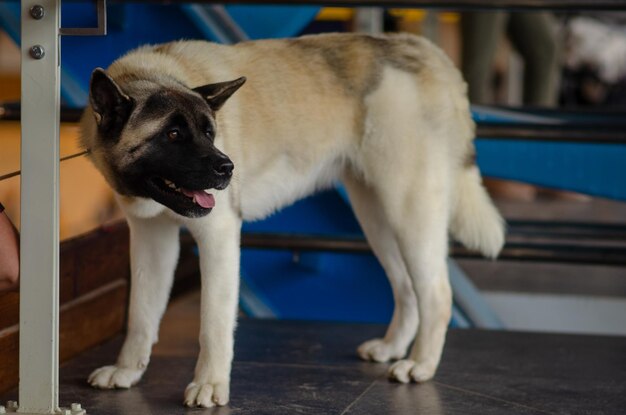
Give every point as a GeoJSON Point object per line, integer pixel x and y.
{"type": "Point", "coordinates": [431, 398]}
{"type": "Point", "coordinates": [550, 395]}
{"type": "Point", "coordinates": [292, 389]}
{"type": "Point", "coordinates": [256, 388]}
{"type": "Point", "coordinates": [311, 368]}
{"type": "Point", "coordinates": [534, 355]}
{"type": "Point", "coordinates": [274, 341]}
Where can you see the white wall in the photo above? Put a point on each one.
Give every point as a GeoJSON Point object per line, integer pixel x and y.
{"type": "Point", "coordinates": [560, 313]}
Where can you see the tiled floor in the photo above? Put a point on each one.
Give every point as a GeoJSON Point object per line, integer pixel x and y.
{"type": "Point", "coordinates": [310, 368]}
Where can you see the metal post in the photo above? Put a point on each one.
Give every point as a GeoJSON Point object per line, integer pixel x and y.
{"type": "Point", "coordinates": [39, 286]}
{"type": "Point", "coordinates": [369, 20]}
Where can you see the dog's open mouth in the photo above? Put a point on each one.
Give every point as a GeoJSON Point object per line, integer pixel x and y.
{"type": "Point", "coordinates": [199, 197]}
{"type": "Point", "coordinates": [187, 202]}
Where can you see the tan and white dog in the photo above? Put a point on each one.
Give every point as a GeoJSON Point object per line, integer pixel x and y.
{"type": "Point", "coordinates": [386, 116]}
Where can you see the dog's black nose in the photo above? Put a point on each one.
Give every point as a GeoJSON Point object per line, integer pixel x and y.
{"type": "Point", "coordinates": [226, 168]}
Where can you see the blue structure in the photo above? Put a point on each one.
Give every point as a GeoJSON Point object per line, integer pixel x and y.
{"type": "Point", "coordinates": [133, 25]}
{"type": "Point", "coordinates": [590, 168]}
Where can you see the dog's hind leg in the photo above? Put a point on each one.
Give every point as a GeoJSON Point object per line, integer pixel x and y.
{"type": "Point", "coordinates": [421, 224]}
{"type": "Point", "coordinates": [408, 157]}
{"type": "Point", "coordinates": [381, 238]}
{"type": "Point", "coordinates": [154, 249]}
{"type": "Point", "coordinates": [417, 211]}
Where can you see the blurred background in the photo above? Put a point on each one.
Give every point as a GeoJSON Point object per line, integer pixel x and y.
{"type": "Point", "coordinates": [549, 95]}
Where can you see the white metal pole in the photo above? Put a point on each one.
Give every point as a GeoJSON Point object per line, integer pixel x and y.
{"type": "Point", "coordinates": [39, 286]}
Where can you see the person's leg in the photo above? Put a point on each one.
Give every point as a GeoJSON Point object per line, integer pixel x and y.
{"type": "Point", "coordinates": [480, 34]}
{"type": "Point", "coordinates": [533, 34]}
{"type": "Point", "coordinates": [9, 253]}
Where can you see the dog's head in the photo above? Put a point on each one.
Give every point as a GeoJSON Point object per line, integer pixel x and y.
{"type": "Point", "coordinates": [156, 139]}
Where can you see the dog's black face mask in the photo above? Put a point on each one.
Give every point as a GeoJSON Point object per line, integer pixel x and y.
{"type": "Point", "coordinates": [161, 146]}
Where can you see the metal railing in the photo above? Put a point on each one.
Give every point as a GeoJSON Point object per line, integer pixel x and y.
{"type": "Point", "coordinates": [433, 4]}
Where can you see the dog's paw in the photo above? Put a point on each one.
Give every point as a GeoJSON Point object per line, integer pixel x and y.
{"type": "Point", "coordinates": [377, 350]}
{"type": "Point", "coordinates": [206, 395]}
{"type": "Point", "coordinates": [405, 371]}
{"type": "Point", "coordinates": [111, 377]}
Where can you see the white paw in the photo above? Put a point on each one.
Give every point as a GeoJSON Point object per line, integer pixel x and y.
{"type": "Point", "coordinates": [111, 377]}
{"type": "Point", "coordinates": [405, 371]}
{"type": "Point", "coordinates": [206, 395]}
{"type": "Point", "coordinates": [377, 350]}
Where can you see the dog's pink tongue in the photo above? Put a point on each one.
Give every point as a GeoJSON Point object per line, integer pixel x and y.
{"type": "Point", "coordinates": [206, 200]}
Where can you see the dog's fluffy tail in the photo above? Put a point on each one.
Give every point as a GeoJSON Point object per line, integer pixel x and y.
{"type": "Point", "coordinates": [475, 222]}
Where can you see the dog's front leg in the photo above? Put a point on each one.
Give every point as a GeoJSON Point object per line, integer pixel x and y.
{"type": "Point", "coordinates": [218, 242]}
{"type": "Point", "coordinates": [154, 249]}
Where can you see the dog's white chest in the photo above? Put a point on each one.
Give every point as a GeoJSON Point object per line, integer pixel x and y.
{"type": "Point", "coordinates": [281, 183]}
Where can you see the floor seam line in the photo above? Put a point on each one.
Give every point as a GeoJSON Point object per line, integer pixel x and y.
{"type": "Point", "coordinates": [345, 411]}
{"type": "Point", "coordinates": [471, 392]}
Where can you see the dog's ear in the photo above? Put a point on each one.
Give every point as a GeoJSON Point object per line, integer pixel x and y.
{"type": "Point", "coordinates": [111, 106]}
{"type": "Point", "coordinates": [217, 94]}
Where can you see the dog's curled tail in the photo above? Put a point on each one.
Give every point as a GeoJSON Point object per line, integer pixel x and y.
{"type": "Point", "coordinates": [475, 221]}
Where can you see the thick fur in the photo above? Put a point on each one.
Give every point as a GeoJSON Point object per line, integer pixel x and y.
{"type": "Point", "coordinates": [387, 116]}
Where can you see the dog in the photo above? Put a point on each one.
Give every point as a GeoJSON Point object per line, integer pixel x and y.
{"type": "Point", "coordinates": [387, 116]}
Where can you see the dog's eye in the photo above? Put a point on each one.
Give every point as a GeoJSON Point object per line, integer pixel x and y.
{"type": "Point", "coordinates": [209, 133]}
{"type": "Point", "coordinates": [173, 134]}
